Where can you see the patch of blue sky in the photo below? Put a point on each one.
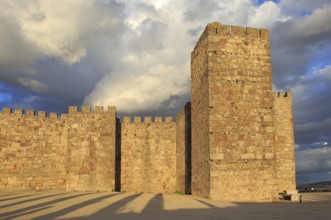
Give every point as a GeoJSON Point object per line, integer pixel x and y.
{"type": "Point", "coordinates": [304, 13]}
{"type": "Point", "coordinates": [5, 98]}
{"type": "Point", "coordinates": [13, 97]}
{"type": "Point", "coordinates": [320, 59]}
{"type": "Point", "coordinates": [260, 2]}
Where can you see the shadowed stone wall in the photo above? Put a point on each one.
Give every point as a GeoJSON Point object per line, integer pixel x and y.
{"type": "Point", "coordinates": [183, 150]}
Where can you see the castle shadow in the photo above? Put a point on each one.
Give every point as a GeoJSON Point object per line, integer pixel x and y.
{"type": "Point", "coordinates": [70, 209]}
{"type": "Point", "coordinates": [13, 198]}
{"type": "Point", "coordinates": [28, 200]}
{"type": "Point", "coordinates": [155, 210]}
{"type": "Point", "coordinates": [41, 206]}
{"type": "Point", "coordinates": [118, 156]}
{"type": "Point", "coordinates": [5, 195]}
{"type": "Point", "coordinates": [121, 206]}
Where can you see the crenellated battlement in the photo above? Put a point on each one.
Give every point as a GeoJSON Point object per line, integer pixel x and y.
{"type": "Point", "coordinates": [217, 28]}
{"type": "Point", "coordinates": [180, 114]}
{"type": "Point", "coordinates": [148, 154]}
{"type": "Point", "coordinates": [282, 94]}
{"type": "Point", "coordinates": [72, 110]}
{"type": "Point", "coordinates": [138, 119]}
{"type": "Point", "coordinates": [88, 109]}
{"type": "Point", "coordinates": [28, 113]}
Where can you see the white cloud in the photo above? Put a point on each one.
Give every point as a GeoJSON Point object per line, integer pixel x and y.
{"type": "Point", "coordinates": [143, 91]}
{"type": "Point", "coordinates": [266, 14]}
{"type": "Point", "coordinates": [58, 29]}
{"type": "Point", "coordinates": [151, 63]}
{"type": "Point", "coordinates": [138, 46]}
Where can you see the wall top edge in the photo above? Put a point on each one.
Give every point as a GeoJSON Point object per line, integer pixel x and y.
{"type": "Point", "coordinates": [71, 110]}
{"type": "Point", "coordinates": [138, 119]}
{"type": "Point", "coordinates": [219, 29]}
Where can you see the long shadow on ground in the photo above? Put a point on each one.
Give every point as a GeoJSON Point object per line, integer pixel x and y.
{"type": "Point", "coordinates": [154, 209]}
{"type": "Point", "coordinates": [30, 200]}
{"type": "Point", "coordinates": [70, 209]}
{"type": "Point", "coordinates": [24, 211]}
{"type": "Point", "coordinates": [17, 197]}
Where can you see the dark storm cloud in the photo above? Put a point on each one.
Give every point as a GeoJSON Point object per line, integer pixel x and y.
{"type": "Point", "coordinates": [296, 46]}
{"type": "Point", "coordinates": [61, 67]}
{"type": "Point", "coordinates": [313, 95]}
{"type": "Point", "coordinates": [55, 80]}
{"type": "Point", "coordinates": [301, 63]}
{"type": "Point", "coordinates": [314, 164]}
{"type": "Point", "coordinates": [302, 7]}
{"type": "Point", "coordinates": [15, 50]}
{"type": "Point", "coordinates": [295, 42]}
{"type": "Point", "coordinates": [314, 132]}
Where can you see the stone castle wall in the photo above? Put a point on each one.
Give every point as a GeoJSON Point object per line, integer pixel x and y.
{"type": "Point", "coordinates": [199, 117]}
{"type": "Point", "coordinates": [82, 151]}
{"type": "Point", "coordinates": [284, 142]}
{"type": "Point", "coordinates": [234, 141]}
{"type": "Point", "coordinates": [91, 143]}
{"type": "Point", "coordinates": [148, 155]}
{"type": "Point", "coordinates": [74, 152]}
{"type": "Point", "coordinates": [32, 151]}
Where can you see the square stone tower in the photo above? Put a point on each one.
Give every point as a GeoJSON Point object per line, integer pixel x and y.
{"type": "Point", "coordinates": [235, 141]}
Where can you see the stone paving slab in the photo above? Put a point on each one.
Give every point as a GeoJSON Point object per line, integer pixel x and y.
{"type": "Point", "coordinates": [113, 205]}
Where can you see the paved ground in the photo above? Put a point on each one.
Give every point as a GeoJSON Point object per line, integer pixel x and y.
{"type": "Point", "coordinates": [62, 205]}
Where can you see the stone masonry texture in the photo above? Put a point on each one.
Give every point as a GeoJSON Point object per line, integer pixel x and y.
{"type": "Point", "coordinates": [148, 155]}
{"type": "Point", "coordinates": [91, 149]}
{"type": "Point", "coordinates": [234, 141]}
{"type": "Point", "coordinates": [74, 152]}
{"type": "Point", "coordinates": [32, 151]}
{"type": "Point", "coordinates": [284, 142]}
{"type": "Point", "coordinates": [247, 142]}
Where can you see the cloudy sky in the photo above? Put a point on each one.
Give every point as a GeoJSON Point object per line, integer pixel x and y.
{"type": "Point", "coordinates": [136, 54]}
